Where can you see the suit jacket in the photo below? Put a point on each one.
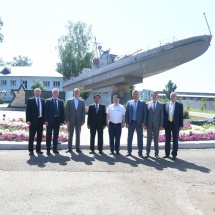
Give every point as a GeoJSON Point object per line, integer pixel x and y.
{"type": "Point", "coordinates": [72, 114]}
{"type": "Point", "coordinates": [141, 113]}
{"type": "Point", "coordinates": [155, 118]}
{"type": "Point", "coordinates": [177, 115]}
{"type": "Point", "coordinates": [32, 110]}
{"type": "Point", "coordinates": [50, 111]}
{"type": "Point", "coordinates": [96, 119]}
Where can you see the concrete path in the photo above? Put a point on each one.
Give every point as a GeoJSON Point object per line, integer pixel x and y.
{"type": "Point", "coordinates": [104, 184]}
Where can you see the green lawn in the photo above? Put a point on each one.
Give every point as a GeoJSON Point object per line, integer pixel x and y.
{"type": "Point", "coordinates": [200, 111]}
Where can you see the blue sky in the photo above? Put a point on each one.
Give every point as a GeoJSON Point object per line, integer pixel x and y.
{"type": "Point", "coordinates": [32, 28]}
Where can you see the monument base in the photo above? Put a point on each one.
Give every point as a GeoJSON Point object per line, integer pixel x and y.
{"type": "Point", "coordinates": [107, 93]}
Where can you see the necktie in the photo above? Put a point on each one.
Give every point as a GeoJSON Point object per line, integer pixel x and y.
{"type": "Point", "coordinates": [97, 108]}
{"type": "Point", "coordinates": [153, 108]}
{"type": "Point", "coordinates": [135, 109]}
{"type": "Point", "coordinates": [38, 106]}
{"type": "Point", "coordinates": [171, 112]}
{"type": "Point", "coordinates": [55, 107]}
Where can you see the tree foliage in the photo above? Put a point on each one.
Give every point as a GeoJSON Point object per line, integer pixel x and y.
{"type": "Point", "coordinates": [21, 61]}
{"type": "Point", "coordinates": [169, 88]}
{"type": "Point", "coordinates": [1, 35]}
{"type": "Point", "coordinates": [38, 84]}
{"type": "Point", "coordinates": [74, 49]}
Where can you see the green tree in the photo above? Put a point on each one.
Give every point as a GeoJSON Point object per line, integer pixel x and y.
{"type": "Point", "coordinates": [21, 61]}
{"type": "Point", "coordinates": [85, 95]}
{"type": "Point", "coordinates": [1, 35]}
{"type": "Point", "coordinates": [203, 104]}
{"type": "Point", "coordinates": [74, 50]}
{"type": "Point", "coordinates": [169, 88]}
{"type": "Point", "coordinates": [38, 84]}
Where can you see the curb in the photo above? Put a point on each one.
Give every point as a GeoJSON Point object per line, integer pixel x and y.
{"type": "Point", "coordinates": [9, 145]}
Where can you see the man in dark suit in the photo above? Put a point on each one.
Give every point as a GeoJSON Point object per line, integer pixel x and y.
{"type": "Point", "coordinates": [75, 118]}
{"type": "Point", "coordinates": [35, 118]}
{"type": "Point", "coordinates": [54, 117]}
{"type": "Point", "coordinates": [135, 118]}
{"type": "Point", "coordinates": [155, 117]}
{"type": "Point", "coordinates": [96, 121]}
{"type": "Point", "coordinates": [173, 123]}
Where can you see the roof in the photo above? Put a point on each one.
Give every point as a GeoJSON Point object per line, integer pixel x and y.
{"type": "Point", "coordinates": [26, 71]}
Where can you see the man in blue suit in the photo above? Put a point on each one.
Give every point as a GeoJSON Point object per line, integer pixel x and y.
{"type": "Point", "coordinates": [135, 118]}
{"type": "Point", "coordinates": [173, 123]}
{"type": "Point", "coordinates": [54, 117]}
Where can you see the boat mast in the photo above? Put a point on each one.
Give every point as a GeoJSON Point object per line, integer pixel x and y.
{"type": "Point", "coordinates": [207, 23]}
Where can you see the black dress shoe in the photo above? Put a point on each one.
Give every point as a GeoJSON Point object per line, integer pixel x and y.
{"type": "Point", "coordinates": [39, 152]}
{"type": "Point", "coordinates": [146, 156]}
{"type": "Point", "coordinates": [48, 153]}
{"type": "Point", "coordinates": [69, 150]}
{"type": "Point", "coordinates": [91, 152]}
{"type": "Point", "coordinates": [101, 152]}
{"type": "Point", "coordinates": [157, 156]}
{"type": "Point", "coordinates": [55, 151]}
{"type": "Point", "coordinates": [128, 154]}
{"type": "Point", "coordinates": [31, 153]}
{"type": "Point", "coordinates": [78, 150]}
{"type": "Point", "coordinates": [174, 158]}
{"type": "Point", "coordinates": [112, 153]}
{"type": "Point", "coordinates": [140, 155]}
{"type": "Point", "coordinates": [117, 153]}
{"type": "Point", "coordinates": [166, 156]}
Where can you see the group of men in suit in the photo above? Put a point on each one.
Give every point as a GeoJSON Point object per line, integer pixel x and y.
{"type": "Point", "coordinates": [154, 116]}
{"type": "Point", "coordinates": [38, 113]}
{"type": "Point", "coordinates": [138, 115]}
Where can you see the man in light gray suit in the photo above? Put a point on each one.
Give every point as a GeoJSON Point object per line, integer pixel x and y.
{"type": "Point", "coordinates": [75, 118]}
{"type": "Point", "coordinates": [155, 119]}
{"type": "Point", "coordinates": [135, 118]}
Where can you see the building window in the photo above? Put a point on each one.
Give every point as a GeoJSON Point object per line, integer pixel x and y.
{"type": "Point", "coordinates": [3, 82]}
{"type": "Point", "coordinates": [56, 83]}
{"type": "Point", "coordinates": [46, 83]}
{"type": "Point", "coordinates": [13, 82]}
{"type": "Point", "coordinates": [25, 83]}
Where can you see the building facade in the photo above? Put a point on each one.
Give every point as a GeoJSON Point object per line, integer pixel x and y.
{"type": "Point", "coordinates": [11, 78]}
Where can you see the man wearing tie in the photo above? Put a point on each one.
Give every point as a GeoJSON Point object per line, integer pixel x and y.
{"type": "Point", "coordinates": [155, 117]}
{"type": "Point", "coordinates": [35, 119]}
{"type": "Point", "coordinates": [75, 118]}
{"type": "Point", "coordinates": [96, 121]}
{"type": "Point", "coordinates": [135, 117]}
{"type": "Point", "coordinates": [173, 123]}
{"type": "Point", "coordinates": [54, 117]}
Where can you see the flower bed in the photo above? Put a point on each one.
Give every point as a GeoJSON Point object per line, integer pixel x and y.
{"type": "Point", "coordinates": [18, 130]}
{"type": "Point", "coordinates": [193, 133]}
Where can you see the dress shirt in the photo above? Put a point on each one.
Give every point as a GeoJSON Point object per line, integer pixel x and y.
{"type": "Point", "coordinates": [116, 113]}
{"type": "Point", "coordinates": [76, 103]}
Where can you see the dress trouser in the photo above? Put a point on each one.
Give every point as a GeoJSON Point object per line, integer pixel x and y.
{"type": "Point", "coordinates": [132, 126]}
{"type": "Point", "coordinates": [170, 128]}
{"type": "Point", "coordinates": [115, 131]}
{"type": "Point", "coordinates": [155, 132]}
{"type": "Point", "coordinates": [52, 127]}
{"type": "Point", "coordinates": [33, 129]}
{"type": "Point", "coordinates": [92, 137]}
{"type": "Point", "coordinates": [77, 128]}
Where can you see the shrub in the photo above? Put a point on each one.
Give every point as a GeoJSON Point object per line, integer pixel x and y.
{"type": "Point", "coordinates": [186, 114]}
{"type": "Point", "coordinates": [1, 100]}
